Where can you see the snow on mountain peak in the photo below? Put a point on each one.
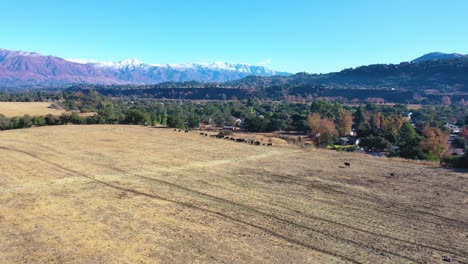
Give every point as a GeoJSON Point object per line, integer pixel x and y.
{"type": "Point", "coordinates": [221, 66]}
{"type": "Point", "coordinates": [21, 53]}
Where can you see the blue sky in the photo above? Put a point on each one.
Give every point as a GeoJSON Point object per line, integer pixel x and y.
{"type": "Point", "coordinates": [293, 35]}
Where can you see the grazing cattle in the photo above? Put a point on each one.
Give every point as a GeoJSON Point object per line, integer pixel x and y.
{"type": "Point", "coordinates": [180, 130]}
{"type": "Point", "coordinates": [392, 174]}
{"type": "Point", "coordinates": [206, 135]}
{"type": "Point", "coordinates": [175, 129]}
{"type": "Point", "coordinates": [202, 134]}
{"type": "Point", "coordinates": [233, 139]}
{"type": "Point", "coordinates": [347, 164]}
{"type": "Point", "coordinates": [240, 140]}
{"type": "Point", "coordinates": [257, 143]}
{"type": "Point", "coordinates": [186, 131]}
{"type": "Point", "coordinates": [226, 138]}
{"type": "Point", "coordinates": [446, 259]}
{"type": "Point", "coordinates": [270, 145]}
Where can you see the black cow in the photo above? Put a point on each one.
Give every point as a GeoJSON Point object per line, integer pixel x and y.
{"type": "Point", "coordinates": [347, 164]}
{"type": "Point", "coordinates": [270, 145]}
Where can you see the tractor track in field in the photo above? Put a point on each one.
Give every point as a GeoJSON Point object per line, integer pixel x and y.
{"type": "Point", "coordinates": [191, 206]}
{"type": "Point", "coordinates": [255, 213]}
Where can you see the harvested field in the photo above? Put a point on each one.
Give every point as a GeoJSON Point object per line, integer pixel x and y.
{"type": "Point", "coordinates": [128, 194]}
{"type": "Point", "coordinates": [10, 109]}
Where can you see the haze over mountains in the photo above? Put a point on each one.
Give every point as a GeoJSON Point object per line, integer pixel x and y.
{"type": "Point", "coordinates": [19, 68]}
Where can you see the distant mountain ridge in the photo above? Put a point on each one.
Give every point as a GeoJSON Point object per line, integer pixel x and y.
{"type": "Point", "coordinates": [438, 56]}
{"type": "Point", "coordinates": [447, 75]}
{"type": "Point", "coordinates": [424, 82]}
{"type": "Point", "coordinates": [20, 68]}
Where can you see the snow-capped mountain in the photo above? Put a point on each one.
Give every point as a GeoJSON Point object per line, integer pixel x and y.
{"type": "Point", "coordinates": [133, 64]}
{"type": "Point", "coordinates": [19, 68]}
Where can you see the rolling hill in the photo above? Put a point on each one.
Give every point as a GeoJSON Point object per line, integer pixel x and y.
{"type": "Point", "coordinates": [438, 56]}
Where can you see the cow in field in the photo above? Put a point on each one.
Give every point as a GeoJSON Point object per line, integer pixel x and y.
{"type": "Point", "coordinates": [347, 165]}
{"type": "Point", "coordinates": [269, 144]}
{"type": "Point", "coordinates": [257, 143]}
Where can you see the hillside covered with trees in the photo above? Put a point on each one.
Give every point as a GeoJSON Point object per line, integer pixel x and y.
{"type": "Point", "coordinates": [426, 82]}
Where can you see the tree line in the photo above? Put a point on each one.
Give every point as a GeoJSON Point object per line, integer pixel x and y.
{"type": "Point", "coordinates": [379, 128]}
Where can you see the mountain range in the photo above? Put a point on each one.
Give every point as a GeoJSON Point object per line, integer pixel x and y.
{"type": "Point", "coordinates": [440, 71]}
{"type": "Point", "coordinates": [20, 68]}
{"type": "Point", "coordinates": [423, 82]}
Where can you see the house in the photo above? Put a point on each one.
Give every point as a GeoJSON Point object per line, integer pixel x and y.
{"type": "Point", "coordinates": [457, 152]}
{"type": "Point", "coordinates": [231, 128]}
{"type": "Point", "coordinates": [345, 141]}
{"type": "Point", "coordinates": [408, 115]}
{"type": "Point", "coordinates": [455, 129]}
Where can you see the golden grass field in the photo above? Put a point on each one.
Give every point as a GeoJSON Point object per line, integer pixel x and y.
{"type": "Point", "coordinates": [11, 109]}
{"type": "Point", "coordinates": [129, 194]}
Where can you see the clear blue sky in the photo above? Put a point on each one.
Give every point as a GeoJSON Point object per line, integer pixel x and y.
{"type": "Point", "coordinates": [293, 35]}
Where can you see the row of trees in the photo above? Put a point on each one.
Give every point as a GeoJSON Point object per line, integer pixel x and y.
{"type": "Point", "coordinates": [378, 127]}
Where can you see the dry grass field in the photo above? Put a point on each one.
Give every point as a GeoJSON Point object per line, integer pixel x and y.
{"type": "Point", "coordinates": [128, 194]}
{"type": "Point", "coordinates": [10, 109]}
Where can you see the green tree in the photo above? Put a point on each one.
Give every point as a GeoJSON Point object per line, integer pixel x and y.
{"type": "Point", "coordinates": [360, 117]}
{"type": "Point", "coordinates": [409, 141]}
{"type": "Point", "coordinates": [375, 143]}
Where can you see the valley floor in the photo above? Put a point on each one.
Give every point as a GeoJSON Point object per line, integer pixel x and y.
{"type": "Point", "coordinates": [128, 194]}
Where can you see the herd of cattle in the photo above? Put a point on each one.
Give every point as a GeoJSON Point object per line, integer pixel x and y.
{"type": "Point", "coordinates": [243, 140]}
{"type": "Point", "coordinates": [239, 140]}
